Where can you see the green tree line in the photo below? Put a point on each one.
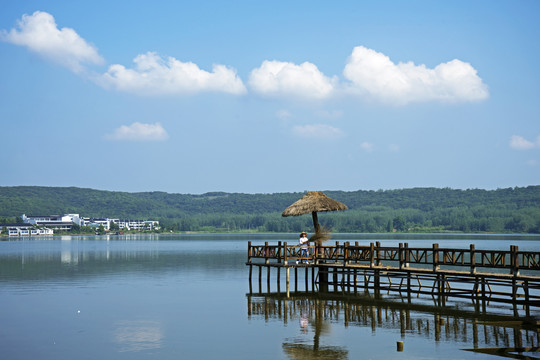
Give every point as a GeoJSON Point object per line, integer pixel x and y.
{"type": "Point", "coordinates": [507, 210]}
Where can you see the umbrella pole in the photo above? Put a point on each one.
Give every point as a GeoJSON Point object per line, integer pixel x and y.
{"type": "Point", "coordinates": [317, 230]}
{"type": "Point", "coordinates": [315, 222]}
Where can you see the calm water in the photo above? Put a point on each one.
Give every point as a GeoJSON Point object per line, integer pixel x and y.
{"type": "Point", "coordinates": [187, 296]}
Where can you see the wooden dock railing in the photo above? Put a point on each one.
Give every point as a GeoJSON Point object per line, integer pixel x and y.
{"type": "Point", "coordinates": [504, 276]}
{"type": "Point", "coordinates": [402, 257]}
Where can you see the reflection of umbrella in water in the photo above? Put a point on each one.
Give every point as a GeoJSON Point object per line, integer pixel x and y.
{"type": "Point", "coordinates": [313, 202]}
{"type": "Point", "coordinates": [298, 351]}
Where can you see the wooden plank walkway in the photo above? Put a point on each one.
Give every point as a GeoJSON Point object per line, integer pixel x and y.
{"type": "Point", "coordinates": [485, 276]}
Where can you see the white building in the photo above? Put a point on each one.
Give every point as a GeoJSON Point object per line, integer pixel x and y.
{"type": "Point", "coordinates": [25, 230]}
{"type": "Point", "coordinates": [96, 222]}
{"type": "Point", "coordinates": [137, 225]}
{"type": "Point", "coordinates": [59, 222]}
{"type": "Point", "coordinates": [65, 222]}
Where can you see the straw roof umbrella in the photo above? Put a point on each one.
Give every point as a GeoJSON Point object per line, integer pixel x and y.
{"type": "Point", "coordinates": [313, 202]}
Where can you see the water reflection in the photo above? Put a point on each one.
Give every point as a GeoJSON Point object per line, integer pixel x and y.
{"type": "Point", "coordinates": [496, 334]}
{"type": "Point", "coordinates": [311, 322]}
{"type": "Point", "coordinates": [67, 259]}
{"type": "Point", "coordinates": [138, 335]}
{"type": "Point", "coordinates": [299, 351]}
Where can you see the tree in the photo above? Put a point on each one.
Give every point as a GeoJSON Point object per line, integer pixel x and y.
{"type": "Point", "coordinates": [75, 228]}
{"type": "Point", "coordinates": [114, 226]}
{"type": "Point", "coordinates": [390, 226]}
{"type": "Point", "coordinates": [399, 223]}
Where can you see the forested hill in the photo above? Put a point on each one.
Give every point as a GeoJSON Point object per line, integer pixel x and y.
{"type": "Point", "coordinates": [512, 209]}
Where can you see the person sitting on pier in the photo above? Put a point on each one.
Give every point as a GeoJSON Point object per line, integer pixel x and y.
{"type": "Point", "coordinates": [303, 241]}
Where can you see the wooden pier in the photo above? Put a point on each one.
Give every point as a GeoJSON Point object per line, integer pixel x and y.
{"type": "Point", "coordinates": [483, 276]}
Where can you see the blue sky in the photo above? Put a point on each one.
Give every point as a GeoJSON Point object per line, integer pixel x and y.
{"type": "Point", "coordinates": [265, 97]}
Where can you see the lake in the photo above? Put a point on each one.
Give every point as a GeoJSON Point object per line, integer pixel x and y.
{"type": "Point", "coordinates": [188, 296]}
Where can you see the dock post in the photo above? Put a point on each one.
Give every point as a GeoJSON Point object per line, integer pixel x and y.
{"type": "Point", "coordinates": [355, 281]}
{"type": "Point", "coordinates": [526, 291]}
{"type": "Point", "coordinates": [250, 284]}
{"type": "Point", "coordinates": [443, 290]}
{"type": "Point", "coordinates": [285, 262]}
{"type": "Point", "coordinates": [250, 267]}
{"type": "Point", "coordinates": [409, 285]}
{"type": "Point", "coordinates": [473, 259]}
{"type": "Point", "coordinates": [260, 279]}
{"type": "Point", "coordinates": [375, 254]}
{"type": "Point", "coordinates": [323, 279]}
{"type": "Point", "coordinates": [345, 253]}
{"type": "Point", "coordinates": [400, 256]}
{"type": "Point", "coordinates": [268, 278]}
{"type": "Point", "coordinates": [371, 255]}
{"type": "Point", "coordinates": [306, 279]}
{"type": "Point", "coordinates": [514, 262]}
{"type": "Point", "coordinates": [287, 281]}
{"type": "Point", "coordinates": [313, 278]}
{"type": "Point", "coordinates": [514, 259]}
{"type": "Point", "coordinates": [377, 282]}
{"type": "Point", "coordinates": [378, 245]}
{"type": "Point", "coordinates": [435, 250]}
{"type": "Point", "coordinates": [407, 255]}
{"type": "Point", "coordinates": [483, 294]}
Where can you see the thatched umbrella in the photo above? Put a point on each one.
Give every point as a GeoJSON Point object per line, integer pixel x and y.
{"type": "Point", "coordinates": [313, 202]}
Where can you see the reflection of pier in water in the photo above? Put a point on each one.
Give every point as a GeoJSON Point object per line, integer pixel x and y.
{"type": "Point", "coordinates": [489, 334]}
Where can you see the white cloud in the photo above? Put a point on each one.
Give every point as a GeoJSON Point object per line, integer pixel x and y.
{"type": "Point", "coordinates": [393, 148]}
{"type": "Point", "coordinates": [367, 73]}
{"type": "Point", "coordinates": [333, 114]}
{"type": "Point", "coordinates": [317, 131]}
{"type": "Point", "coordinates": [284, 114]}
{"type": "Point", "coordinates": [367, 146]}
{"type": "Point", "coordinates": [277, 78]}
{"type": "Point", "coordinates": [40, 34]}
{"type": "Point", "coordinates": [373, 74]}
{"type": "Point", "coordinates": [520, 143]}
{"type": "Point", "coordinates": [153, 75]}
{"type": "Point", "coordinates": [139, 132]}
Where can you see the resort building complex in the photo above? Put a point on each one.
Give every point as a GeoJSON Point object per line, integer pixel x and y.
{"type": "Point", "coordinates": [46, 225]}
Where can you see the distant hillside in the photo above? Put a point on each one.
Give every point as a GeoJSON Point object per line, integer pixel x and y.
{"type": "Point", "coordinates": [502, 210]}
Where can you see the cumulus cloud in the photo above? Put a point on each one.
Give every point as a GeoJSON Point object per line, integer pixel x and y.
{"type": "Point", "coordinates": [139, 132]}
{"type": "Point", "coordinates": [333, 114]}
{"type": "Point", "coordinates": [367, 73]}
{"type": "Point", "coordinates": [317, 131]}
{"type": "Point", "coordinates": [367, 146]}
{"type": "Point", "coordinates": [152, 75]}
{"type": "Point", "coordinates": [283, 114]}
{"type": "Point", "coordinates": [520, 143]}
{"type": "Point", "coordinates": [373, 74]}
{"type": "Point", "coordinates": [277, 78]}
{"type": "Point", "coordinates": [39, 33]}
{"type": "Point", "coordinates": [393, 148]}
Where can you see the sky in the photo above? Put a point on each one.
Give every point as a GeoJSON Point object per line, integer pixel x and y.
{"type": "Point", "coordinates": [267, 97]}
